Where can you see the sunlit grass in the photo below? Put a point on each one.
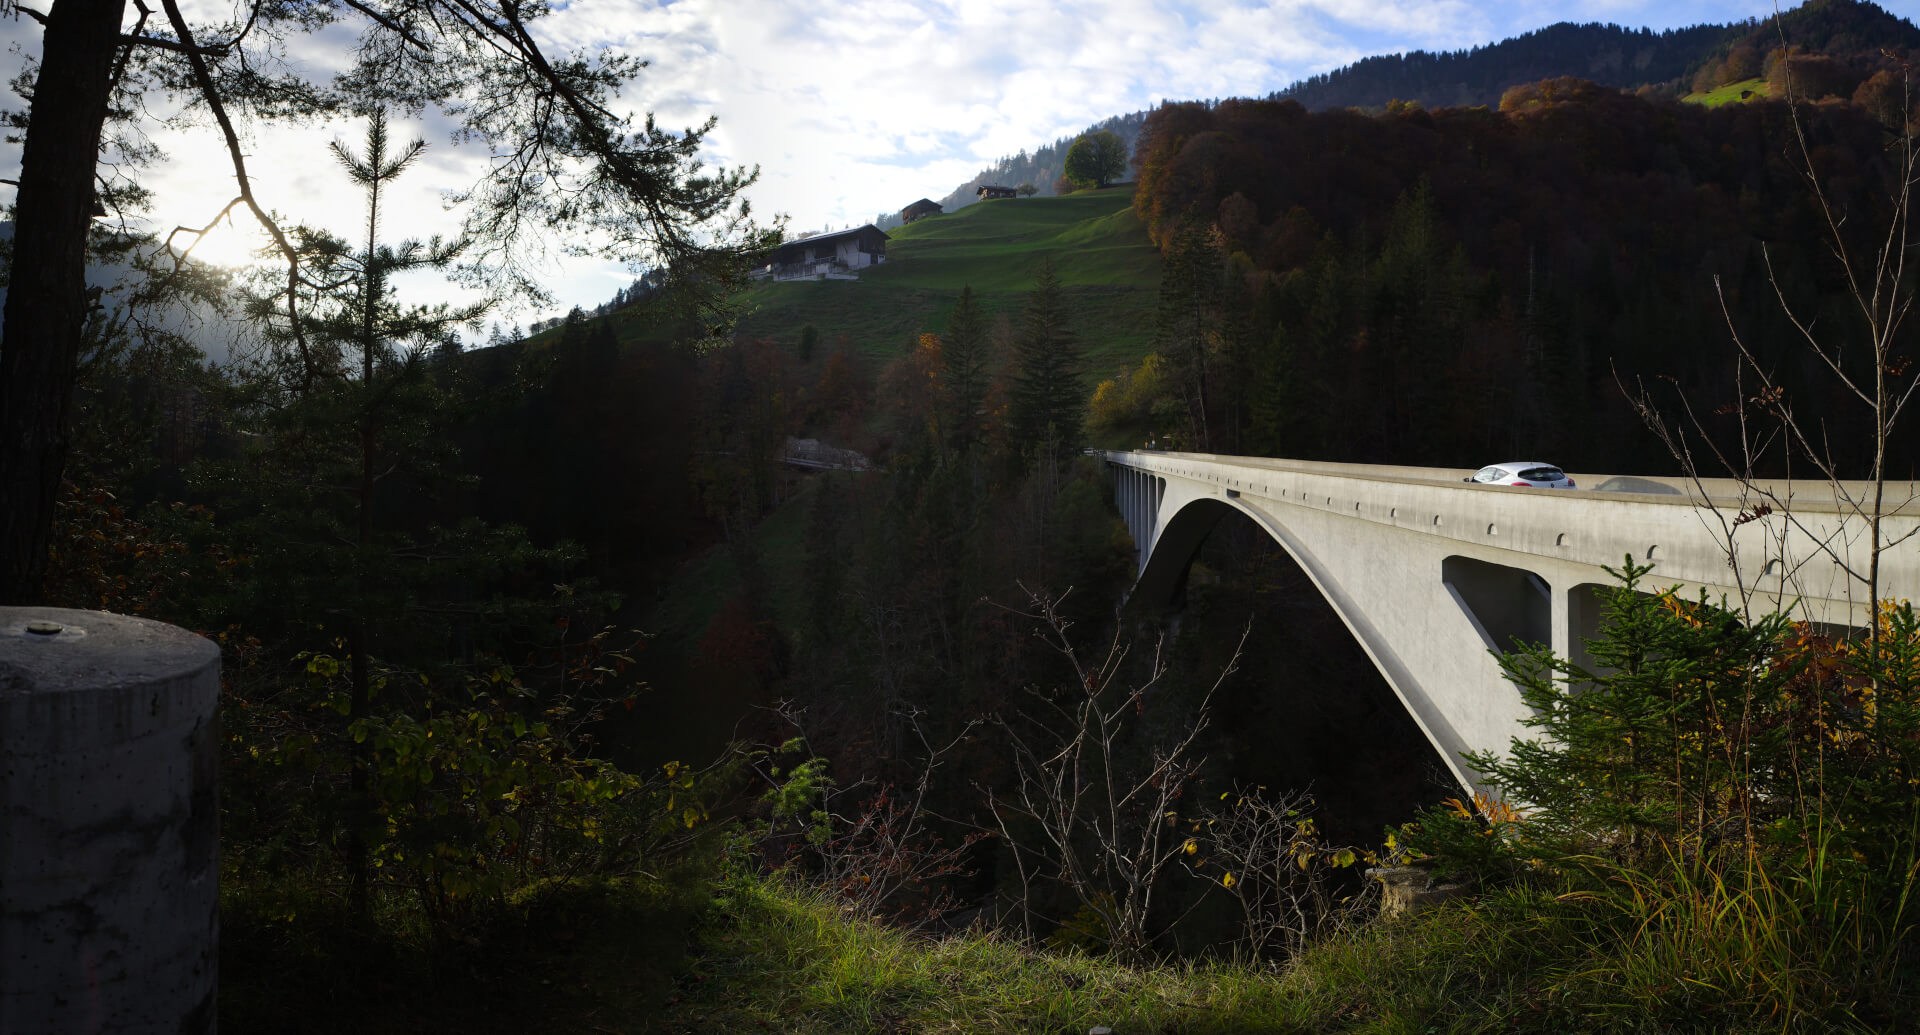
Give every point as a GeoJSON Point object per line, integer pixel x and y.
{"type": "Point", "coordinates": [1734, 940]}
{"type": "Point", "coordinates": [780, 958]}
{"type": "Point", "coordinates": [1686, 948]}
{"type": "Point", "coordinates": [1664, 955]}
{"type": "Point", "coordinates": [1107, 265]}
{"type": "Point", "coordinates": [1732, 93]}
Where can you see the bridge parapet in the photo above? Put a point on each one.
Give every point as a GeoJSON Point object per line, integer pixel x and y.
{"type": "Point", "coordinates": [1780, 555]}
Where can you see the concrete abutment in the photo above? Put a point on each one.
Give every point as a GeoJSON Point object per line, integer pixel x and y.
{"type": "Point", "coordinates": [109, 824]}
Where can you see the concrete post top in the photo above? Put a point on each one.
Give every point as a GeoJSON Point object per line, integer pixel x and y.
{"type": "Point", "coordinates": [55, 649]}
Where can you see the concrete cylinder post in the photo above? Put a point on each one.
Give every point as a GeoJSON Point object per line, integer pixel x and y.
{"type": "Point", "coordinates": [109, 824]}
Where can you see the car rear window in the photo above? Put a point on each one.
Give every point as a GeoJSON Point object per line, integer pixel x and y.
{"type": "Point", "coordinates": [1542, 474]}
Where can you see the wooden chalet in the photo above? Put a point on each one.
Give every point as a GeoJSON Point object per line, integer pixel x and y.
{"type": "Point", "coordinates": [920, 209]}
{"type": "Point", "coordinates": [834, 256]}
{"type": "Point", "coordinates": [989, 192]}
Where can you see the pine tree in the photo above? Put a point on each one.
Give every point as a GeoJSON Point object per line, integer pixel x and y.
{"type": "Point", "coordinates": [1273, 399]}
{"type": "Point", "coordinates": [1189, 323]}
{"type": "Point", "coordinates": [965, 374]}
{"type": "Point", "coordinates": [1047, 400]}
{"type": "Point", "coordinates": [349, 438]}
{"type": "Point", "coordinates": [573, 334]}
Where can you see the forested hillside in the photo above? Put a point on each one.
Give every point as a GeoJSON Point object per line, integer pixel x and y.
{"type": "Point", "coordinates": [1856, 35]}
{"type": "Point", "coordinates": [1852, 33]}
{"type": "Point", "coordinates": [1441, 287]}
{"type": "Point", "coordinates": [1606, 54]}
{"type": "Point", "coordinates": [1042, 168]}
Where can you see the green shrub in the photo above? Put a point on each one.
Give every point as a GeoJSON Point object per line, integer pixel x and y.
{"type": "Point", "coordinates": [1729, 798]}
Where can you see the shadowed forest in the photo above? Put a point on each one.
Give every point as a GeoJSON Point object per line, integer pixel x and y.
{"type": "Point", "coordinates": [1433, 287]}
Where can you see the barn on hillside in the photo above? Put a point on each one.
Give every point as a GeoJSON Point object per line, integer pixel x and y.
{"type": "Point", "coordinates": [919, 209]}
{"type": "Point", "coordinates": [834, 256]}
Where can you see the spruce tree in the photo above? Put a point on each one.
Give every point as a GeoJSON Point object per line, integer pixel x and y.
{"type": "Point", "coordinates": [333, 495]}
{"type": "Point", "coordinates": [1047, 401]}
{"type": "Point", "coordinates": [1189, 323]}
{"type": "Point", "coordinates": [965, 374]}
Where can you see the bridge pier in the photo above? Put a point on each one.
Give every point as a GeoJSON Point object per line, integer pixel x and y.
{"type": "Point", "coordinates": [1138, 494]}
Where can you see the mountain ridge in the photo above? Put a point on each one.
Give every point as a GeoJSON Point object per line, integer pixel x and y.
{"type": "Point", "coordinates": [1665, 62]}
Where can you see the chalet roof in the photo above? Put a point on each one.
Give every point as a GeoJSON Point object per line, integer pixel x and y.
{"type": "Point", "coordinates": [869, 238]}
{"type": "Point", "coordinates": [837, 234]}
{"type": "Point", "coordinates": [922, 203]}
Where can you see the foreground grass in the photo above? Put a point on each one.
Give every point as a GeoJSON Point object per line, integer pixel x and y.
{"type": "Point", "coordinates": [773, 958]}
{"type": "Point", "coordinates": [760, 954]}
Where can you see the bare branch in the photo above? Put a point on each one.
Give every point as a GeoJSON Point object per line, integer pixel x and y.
{"type": "Point", "coordinates": [203, 78]}
{"type": "Point", "coordinates": [213, 50]}
{"type": "Point", "coordinates": [388, 23]}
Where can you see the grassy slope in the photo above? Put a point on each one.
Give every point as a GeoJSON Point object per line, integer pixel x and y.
{"type": "Point", "coordinates": [774, 958]}
{"type": "Point", "coordinates": [1109, 268]}
{"type": "Point", "coordinates": [641, 958]}
{"type": "Point", "coordinates": [1730, 93]}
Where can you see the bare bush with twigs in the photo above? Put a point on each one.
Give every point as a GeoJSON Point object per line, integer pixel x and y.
{"type": "Point", "coordinates": [1265, 851]}
{"type": "Point", "coordinates": [873, 845]}
{"type": "Point", "coordinates": [1094, 809]}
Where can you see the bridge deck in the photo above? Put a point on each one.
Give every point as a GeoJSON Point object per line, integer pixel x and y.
{"type": "Point", "coordinates": [1807, 546]}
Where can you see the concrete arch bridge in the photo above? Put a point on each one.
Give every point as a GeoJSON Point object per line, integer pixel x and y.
{"type": "Point", "coordinates": [1432, 574]}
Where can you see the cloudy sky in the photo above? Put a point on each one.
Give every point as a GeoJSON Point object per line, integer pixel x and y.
{"type": "Point", "coordinates": [854, 107]}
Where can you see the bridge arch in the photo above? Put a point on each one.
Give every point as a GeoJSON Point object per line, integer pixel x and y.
{"type": "Point", "coordinates": [1169, 556]}
{"type": "Point", "coordinates": [1183, 527]}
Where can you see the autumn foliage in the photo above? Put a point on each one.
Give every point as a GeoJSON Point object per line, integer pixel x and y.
{"type": "Point", "coordinates": [1437, 287]}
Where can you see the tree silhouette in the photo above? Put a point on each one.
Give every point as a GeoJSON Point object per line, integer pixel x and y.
{"type": "Point", "coordinates": [1096, 159]}
{"type": "Point", "coordinates": [965, 374]}
{"type": "Point", "coordinates": [562, 161]}
{"type": "Point", "coordinates": [1047, 399]}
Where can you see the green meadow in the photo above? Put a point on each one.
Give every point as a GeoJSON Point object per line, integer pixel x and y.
{"type": "Point", "coordinates": [1732, 93]}
{"type": "Point", "coordinates": [1100, 250]}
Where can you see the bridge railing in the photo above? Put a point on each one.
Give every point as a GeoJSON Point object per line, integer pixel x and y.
{"type": "Point", "coordinates": [1810, 494]}
{"type": "Point", "coordinates": [1809, 542]}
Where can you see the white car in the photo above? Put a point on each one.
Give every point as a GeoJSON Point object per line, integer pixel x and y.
{"type": "Point", "coordinates": [1530, 473]}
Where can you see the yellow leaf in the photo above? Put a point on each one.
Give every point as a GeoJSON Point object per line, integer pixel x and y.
{"type": "Point", "coordinates": [1227, 881]}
